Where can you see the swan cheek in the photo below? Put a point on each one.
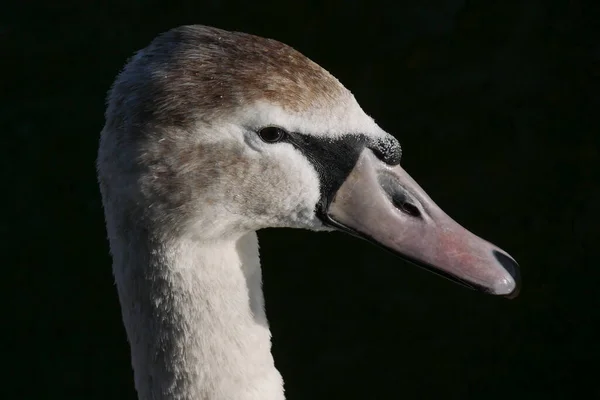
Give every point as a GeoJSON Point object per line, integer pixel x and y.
{"type": "Point", "coordinates": [284, 193]}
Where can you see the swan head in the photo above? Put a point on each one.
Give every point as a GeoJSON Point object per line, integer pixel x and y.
{"type": "Point", "coordinates": [213, 134]}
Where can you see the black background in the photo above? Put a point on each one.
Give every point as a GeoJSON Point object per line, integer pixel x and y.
{"type": "Point", "coordinates": [494, 103]}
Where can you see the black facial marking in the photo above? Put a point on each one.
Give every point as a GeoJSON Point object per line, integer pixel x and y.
{"type": "Point", "coordinates": [335, 158]}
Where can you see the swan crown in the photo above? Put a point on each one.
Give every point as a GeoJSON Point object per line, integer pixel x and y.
{"type": "Point", "coordinates": [216, 72]}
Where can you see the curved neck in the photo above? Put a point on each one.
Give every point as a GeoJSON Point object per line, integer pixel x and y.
{"type": "Point", "coordinates": [195, 319]}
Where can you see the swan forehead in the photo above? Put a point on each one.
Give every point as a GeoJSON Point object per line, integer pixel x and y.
{"type": "Point", "coordinates": [328, 121]}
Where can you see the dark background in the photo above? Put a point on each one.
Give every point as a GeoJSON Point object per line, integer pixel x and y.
{"type": "Point", "coordinates": [494, 103]}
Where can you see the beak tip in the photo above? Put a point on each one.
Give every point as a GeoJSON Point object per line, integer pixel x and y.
{"type": "Point", "coordinates": [514, 294]}
{"type": "Point", "coordinates": [510, 265]}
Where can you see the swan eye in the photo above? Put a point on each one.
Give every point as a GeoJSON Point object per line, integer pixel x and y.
{"type": "Point", "coordinates": [272, 134]}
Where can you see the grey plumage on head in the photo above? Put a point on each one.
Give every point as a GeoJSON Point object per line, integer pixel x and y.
{"type": "Point", "coordinates": [203, 68]}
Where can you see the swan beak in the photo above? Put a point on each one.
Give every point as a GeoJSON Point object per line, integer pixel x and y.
{"type": "Point", "coordinates": [383, 204]}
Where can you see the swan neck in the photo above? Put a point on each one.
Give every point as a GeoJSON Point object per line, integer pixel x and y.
{"type": "Point", "coordinates": [195, 320]}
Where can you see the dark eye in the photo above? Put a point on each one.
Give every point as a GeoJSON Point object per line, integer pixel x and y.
{"type": "Point", "coordinates": [272, 134]}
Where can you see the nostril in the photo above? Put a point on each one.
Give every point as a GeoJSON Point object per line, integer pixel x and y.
{"type": "Point", "coordinates": [400, 197]}
{"type": "Point", "coordinates": [403, 204]}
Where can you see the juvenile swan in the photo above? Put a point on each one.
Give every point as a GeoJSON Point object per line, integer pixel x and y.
{"type": "Point", "coordinates": [212, 135]}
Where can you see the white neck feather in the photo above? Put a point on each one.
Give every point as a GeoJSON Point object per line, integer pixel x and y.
{"type": "Point", "coordinates": [194, 315]}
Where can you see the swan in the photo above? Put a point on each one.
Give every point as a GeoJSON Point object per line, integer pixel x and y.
{"type": "Point", "coordinates": [211, 135]}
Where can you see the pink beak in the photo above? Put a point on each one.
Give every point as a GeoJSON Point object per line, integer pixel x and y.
{"type": "Point", "coordinates": [383, 204]}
